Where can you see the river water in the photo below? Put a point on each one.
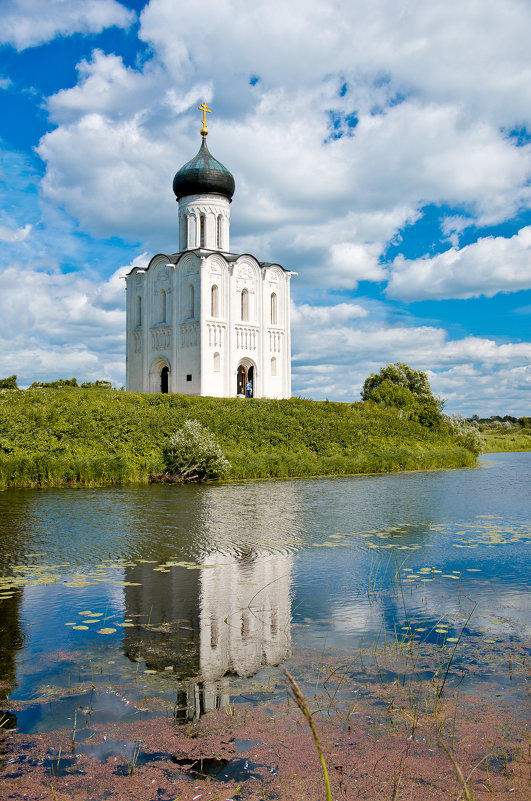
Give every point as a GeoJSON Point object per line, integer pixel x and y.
{"type": "Point", "coordinates": [207, 590]}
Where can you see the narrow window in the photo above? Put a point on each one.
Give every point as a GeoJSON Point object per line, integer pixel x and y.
{"type": "Point", "coordinates": [218, 232]}
{"type": "Point", "coordinates": [139, 310]}
{"type": "Point", "coordinates": [273, 309]}
{"type": "Point", "coordinates": [164, 383]}
{"type": "Point", "coordinates": [186, 232]}
{"type": "Point", "coordinates": [213, 632]}
{"type": "Point", "coordinates": [214, 301]}
{"type": "Point", "coordinates": [216, 362]}
{"type": "Point", "coordinates": [202, 231]}
{"type": "Point", "coordinates": [273, 366]}
{"type": "Point", "coordinates": [191, 301]}
{"type": "Point", "coordinates": [245, 305]}
{"type": "Point", "coordinates": [162, 306]}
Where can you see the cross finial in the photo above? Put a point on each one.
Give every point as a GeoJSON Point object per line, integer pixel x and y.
{"type": "Point", "coordinates": [204, 108]}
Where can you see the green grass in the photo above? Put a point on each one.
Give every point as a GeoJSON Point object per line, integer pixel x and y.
{"type": "Point", "coordinates": [518, 439]}
{"type": "Point", "coordinates": [52, 437]}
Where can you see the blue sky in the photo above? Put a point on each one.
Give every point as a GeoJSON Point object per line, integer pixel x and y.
{"type": "Point", "coordinates": [383, 153]}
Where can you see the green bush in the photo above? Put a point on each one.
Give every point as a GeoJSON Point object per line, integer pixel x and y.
{"type": "Point", "coordinates": [194, 454]}
{"type": "Point", "coordinates": [400, 386]}
{"type": "Point", "coordinates": [105, 436]}
{"type": "Point", "coordinates": [466, 433]}
{"type": "Point", "coordinates": [96, 385]}
{"type": "Point", "coordinates": [9, 383]}
{"type": "Point", "coordinates": [61, 382]}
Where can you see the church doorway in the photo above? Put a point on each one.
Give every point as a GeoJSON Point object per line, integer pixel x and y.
{"type": "Point", "coordinates": [164, 376]}
{"type": "Point", "coordinates": [245, 381]}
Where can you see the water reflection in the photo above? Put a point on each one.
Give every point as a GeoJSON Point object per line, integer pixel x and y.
{"type": "Point", "coordinates": [227, 614]}
{"type": "Point", "coordinates": [207, 578]}
{"type": "Point", "coordinates": [230, 616]}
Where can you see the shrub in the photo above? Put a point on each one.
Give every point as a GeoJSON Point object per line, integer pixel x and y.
{"type": "Point", "coordinates": [400, 386]}
{"type": "Point", "coordinates": [194, 454]}
{"type": "Point", "coordinates": [9, 383]}
{"type": "Point", "coordinates": [466, 434]}
{"type": "Point", "coordinates": [96, 385]}
{"type": "Point", "coordinates": [61, 382]}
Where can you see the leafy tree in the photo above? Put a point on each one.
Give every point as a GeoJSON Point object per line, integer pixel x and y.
{"type": "Point", "coordinates": [194, 454]}
{"type": "Point", "coordinates": [9, 383]}
{"type": "Point", "coordinates": [400, 386]}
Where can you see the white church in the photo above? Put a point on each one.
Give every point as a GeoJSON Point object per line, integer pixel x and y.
{"type": "Point", "coordinates": [205, 321]}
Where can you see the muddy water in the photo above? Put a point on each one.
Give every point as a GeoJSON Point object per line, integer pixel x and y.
{"type": "Point", "coordinates": [194, 596]}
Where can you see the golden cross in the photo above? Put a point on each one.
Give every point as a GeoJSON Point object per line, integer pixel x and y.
{"type": "Point", "coordinates": [204, 108]}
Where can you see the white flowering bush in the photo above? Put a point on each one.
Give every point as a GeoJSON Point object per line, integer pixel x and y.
{"type": "Point", "coordinates": [467, 434]}
{"type": "Point", "coordinates": [194, 454]}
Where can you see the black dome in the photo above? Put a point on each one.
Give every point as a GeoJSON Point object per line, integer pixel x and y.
{"type": "Point", "coordinates": [203, 175]}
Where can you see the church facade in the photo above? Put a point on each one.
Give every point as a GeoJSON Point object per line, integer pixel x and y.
{"type": "Point", "coordinates": [206, 321]}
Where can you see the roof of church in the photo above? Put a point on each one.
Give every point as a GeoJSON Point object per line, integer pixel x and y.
{"type": "Point", "coordinates": [203, 175]}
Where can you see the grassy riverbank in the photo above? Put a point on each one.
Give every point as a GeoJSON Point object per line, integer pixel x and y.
{"type": "Point", "coordinates": [50, 437]}
{"type": "Point", "coordinates": [515, 439]}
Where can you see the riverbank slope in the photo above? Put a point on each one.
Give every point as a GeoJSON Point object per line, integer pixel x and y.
{"type": "Point", "coordinates": [53, 437]}
{"type": "Point", "coordinates": [513, 440]}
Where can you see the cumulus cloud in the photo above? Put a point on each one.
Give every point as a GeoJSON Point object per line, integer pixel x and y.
{"type": "Point", "coordinates": [488, 266]}
{"type": "Point", "coordinates": [27, 23]}
{"type": "Point", "coordinates": [334, 353]}
{"type": "Point", "coordinates": [404, 142]}
{"type": "Point", "coordinates": [14, 234]}
{"type": "Point", "coordinates": [52, 325]}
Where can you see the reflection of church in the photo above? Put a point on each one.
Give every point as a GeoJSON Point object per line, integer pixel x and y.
{"type": "Point", "coordinates": [230, 617]}
{"type": "Point", "coordinates": [205, 321]}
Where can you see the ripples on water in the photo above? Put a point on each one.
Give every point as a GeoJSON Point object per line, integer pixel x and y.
{"type": "Point", "coordinates": [197, 583]}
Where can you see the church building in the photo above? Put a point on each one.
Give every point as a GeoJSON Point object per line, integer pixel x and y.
{"type": "Point", "coordinates": [206, 321]}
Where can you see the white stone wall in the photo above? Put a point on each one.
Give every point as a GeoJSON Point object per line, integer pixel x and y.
{"type": "Point", "coordinates": [171, 323]}
{"type": "Point", "coordinates": [215, 211]}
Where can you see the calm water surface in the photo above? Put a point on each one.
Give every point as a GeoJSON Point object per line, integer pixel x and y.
{"type": "Point", "coordinates": [204, 590]}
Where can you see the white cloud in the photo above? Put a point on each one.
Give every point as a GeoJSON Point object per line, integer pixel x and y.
{"type": "Point", "coordinates": [305, 314]}
{"type": "Point", "coordinates": [334, 353]}
{"type": "Point", "coordinates": [14, 234]}
{"type": "Point", "coordinates": [488, 266]}
{"type": "Point", "coordinates": [54, 325]}
{"type": "Point", "coordinates": [27, 23]}
{"type": "Point", "coordinates": [475, 51]}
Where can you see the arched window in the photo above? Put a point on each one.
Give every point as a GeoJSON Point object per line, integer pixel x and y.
{"type": "Point", "coordinates": [273, 309]}
{"type": "Point", "coordinates": [217, 362]}
{"type": "Point", "coordinates": [214, 301]}
{"type": "Point", "coordinates": [218, 232]}
{"type": "Point", "coordinates": [191, 301]}
{"type": "Point", "coordinates": [273, 366]}
{"type": "Point", "coordinates": [186, 244]}
{"type": "Point", "coordinates": [139, 310]}
{"type": "Point", "coordinates": [162, 306]}
{"type": "Point", "coordinates": [202, 231]}
{"type": "Point", "coordinates": [245, 305]}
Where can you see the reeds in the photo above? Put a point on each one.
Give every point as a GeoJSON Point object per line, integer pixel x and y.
{"type": "Point", "coordinates": [305, 709]}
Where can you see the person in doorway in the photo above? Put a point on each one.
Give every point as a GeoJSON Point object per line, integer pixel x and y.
{"type": "Point", "coordinates": [249, 389]}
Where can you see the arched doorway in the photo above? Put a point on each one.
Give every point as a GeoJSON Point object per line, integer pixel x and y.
{"type": "Point", "coordinates": [164, 379]}
{"type": "Point", "coordinates": [245, 381]}
{"type": "Point", "coordinates": [159, 376]}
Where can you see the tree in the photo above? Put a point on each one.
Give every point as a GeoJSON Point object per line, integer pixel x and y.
{"type": "Point", "coordinates": [400, 386]}
{"type": "Point", "coordinates": [9, 383]}
{"type": "Point", "coordinates": [194, 454]}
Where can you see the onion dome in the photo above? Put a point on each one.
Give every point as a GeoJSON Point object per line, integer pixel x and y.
{"type": "Point", "coordinates": [203, 175]}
